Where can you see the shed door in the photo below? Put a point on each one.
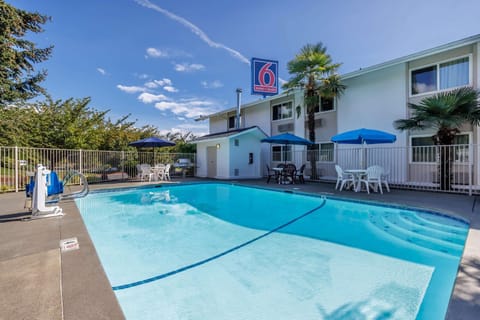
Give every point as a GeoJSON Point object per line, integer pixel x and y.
{"type": "Point", "coordinates": [212, 162]}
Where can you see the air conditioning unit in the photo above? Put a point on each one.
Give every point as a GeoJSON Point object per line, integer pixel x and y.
{"type": "Point", "coordinates": [318, 123]}
{"type": "Point", "coordinates": [285, 127]}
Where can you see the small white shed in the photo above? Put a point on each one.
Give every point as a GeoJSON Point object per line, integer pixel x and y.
{"type": "Point", "coordinates": [233, 154]}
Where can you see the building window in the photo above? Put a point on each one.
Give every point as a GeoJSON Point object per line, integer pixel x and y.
{"type": "Point", "coordinates": [231, 122]}
{"type": "Point", "coordinates": [326, 104]}
{"type": "Point", "coordinates": [424, 149]}
{"type": "Point", "coordinates": [326, 152]}
{"type": "Point", "coordinates": [282, 111]}
{"type": "Point", "coordinates": [446, 75]}
{"type": "Point", "coordinates": [424, 80]}
{"type": "Point", "coordinates": [282, 153]}
{"type": "Point", "coordinates": [321, 151]}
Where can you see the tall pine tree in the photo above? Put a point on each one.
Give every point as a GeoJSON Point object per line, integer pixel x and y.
{"type": "Point", "coordinates": [18, 79]}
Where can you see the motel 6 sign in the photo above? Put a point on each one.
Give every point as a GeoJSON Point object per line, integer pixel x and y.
{"type": "Point", "coordinates": [264, 77]}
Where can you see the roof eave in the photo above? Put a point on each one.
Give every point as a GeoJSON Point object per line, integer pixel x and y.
{"type": "Point", "coordinates": [414, 56]}
{"type": "Point", "coordinates": [212, 139]}
{"type": "Point", "coordinates": [247, 105]}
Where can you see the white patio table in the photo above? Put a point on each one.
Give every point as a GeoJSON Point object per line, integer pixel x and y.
{"type": "Point", "coordinates": [357, 174]}
{"type": "Point", "coordinates": [158, 172]}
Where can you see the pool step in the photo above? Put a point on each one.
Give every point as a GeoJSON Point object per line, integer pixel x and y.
{"type": "Point", "coordinates": [420, 219]}
{"type": "Point", "coordinates": [414, 234]}
{"type": "Point", "coordinates": [424, 229]}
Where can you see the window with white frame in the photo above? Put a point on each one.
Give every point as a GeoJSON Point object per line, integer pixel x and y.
{"type": "Point", "coordinates": [326, 104]}
{"type": "Point", "coordinates": [323, 152]}
{"type": "Point", "coordinates": [326, 151]}
{"type": "Point", "coordinates": [442, 76]}
{"type": "Point", "coordinates": [282, 153]}
{"type": "Point", "coordinates": [424, 149]}
{"type": "Point", "coordinates": [282, 111]}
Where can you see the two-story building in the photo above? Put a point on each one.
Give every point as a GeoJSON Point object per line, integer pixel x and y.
{"type": "Point", "coordinates": [374, 98]}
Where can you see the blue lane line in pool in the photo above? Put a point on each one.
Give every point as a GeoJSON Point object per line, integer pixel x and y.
{"type": "Point", "coordinates": [199, 263]}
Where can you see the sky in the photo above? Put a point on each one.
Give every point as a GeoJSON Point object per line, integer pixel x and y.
{"type": "Point", "coordinates": [166, 62]}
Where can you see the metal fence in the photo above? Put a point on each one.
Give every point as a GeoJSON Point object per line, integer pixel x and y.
{"type": "Point", "coordinates": [98, 166]}
{"type": "Point", "coordinates": [431, 168]}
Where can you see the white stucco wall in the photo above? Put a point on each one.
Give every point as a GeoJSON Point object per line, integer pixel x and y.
{"type": "Point", "coordinates": [239, 157]}
{"type": "Point", "coordinates": [231, 157]}
{"type": "Point", "coordinates": [217, 124]}
{"type": "Point", "coordinates": [375, 100]}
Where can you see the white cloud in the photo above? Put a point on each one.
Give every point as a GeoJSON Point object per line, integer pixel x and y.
{"type": "Point", "coordinates": [130, 89]}
{"type": "Point", "coordinates": [170, 89]}
{"type": "Point", "coordinates": [196, 30]}
{"type": "Point", "coordinates": [102, 71]}
{"type": "Point", "coordinates": [186, 67]}
{"type": "Point", "coordinates": [212, 85]}
{"type": "Point", "coordinates": [150, 98]}
{"type": "Point", "coordinates": [164, 82]}
{"type": "Point", "coordinates": [189, 108]}
{"type": "Point", "coordinates": [142, 76]}
{"type": "Point", "coordinates": [281, 81]}
{"type": "Point", "coordinates": [197, 129]}
{"type": "Point", "coordinates": [151, 85]}
{"type": "Point", "coordinates": [156, 53]}
{"type": "Point", "coordinates": [158, 83]}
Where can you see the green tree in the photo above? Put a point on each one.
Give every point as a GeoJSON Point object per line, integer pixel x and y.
{"type": "Point", "coordinates": [314, 72]}
{"type": "Point", "coordinates": [18, 81]}
{"type": "Point", "coordinates": [182, 140]}
{"type": "Point", "coordinates": [445, 112]}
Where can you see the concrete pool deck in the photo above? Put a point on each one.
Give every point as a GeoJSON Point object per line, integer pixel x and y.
{"type": "Point", "coordinates": [37, 281]}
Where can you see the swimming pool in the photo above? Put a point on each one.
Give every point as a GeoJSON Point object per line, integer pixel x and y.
{"type": "Point", "coordinates": [221, 251]}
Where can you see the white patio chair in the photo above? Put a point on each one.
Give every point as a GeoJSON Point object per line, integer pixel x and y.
{"type": "Point", "coordinates": [166, 172]}
{"type": "Point", "coordinates": [372, 179]}
{"type": "Point", "coordinates": [144, 171]}
{"type": "Point", "coordinates": [385, 176]}
{"type": "Point", "coordinates": [343, 178]}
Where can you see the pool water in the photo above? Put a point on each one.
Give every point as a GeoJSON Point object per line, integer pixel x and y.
{"type": "Point", "coordinates": [221, 251]}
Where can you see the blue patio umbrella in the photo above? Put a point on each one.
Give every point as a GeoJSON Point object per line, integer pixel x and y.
{"type": "Point", "coordinates": [151, 142]}
{"type": "Point", "coordinates": [287, 139]}
{"type": "Point", "coordinates": [364, 136]}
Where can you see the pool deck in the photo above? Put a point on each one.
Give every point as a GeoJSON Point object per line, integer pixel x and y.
{"type": "Point", "coordinates": [38, 281]}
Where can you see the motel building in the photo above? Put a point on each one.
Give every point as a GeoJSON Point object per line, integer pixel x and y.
{"type": "Point", "coordinates": [375, 97]}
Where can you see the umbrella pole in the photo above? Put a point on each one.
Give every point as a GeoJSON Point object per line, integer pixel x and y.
{"type": "Point", "coordinates": [364, 156]}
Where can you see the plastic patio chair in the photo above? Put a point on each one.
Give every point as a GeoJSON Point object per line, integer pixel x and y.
{"type": "Point", "coordinates": [373, 179]}
{"type": "Point", "coordinates": [144, 171]}
{"type": "Point", "coordinates": [343, 178]}
{"type": "Point", "coordinates": [271, 173]}
{"type": "Point", "coordinates": [299, 174]}
{"type": "Point", "coordinates": [166, 172]}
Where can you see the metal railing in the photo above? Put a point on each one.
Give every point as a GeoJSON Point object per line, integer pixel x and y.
{"type": "Point", "coordinates": [453, 169]}
{"type": "Point", "coordinates": [97, 166]}
{"type": "Point", "coordinates": [433, 168]}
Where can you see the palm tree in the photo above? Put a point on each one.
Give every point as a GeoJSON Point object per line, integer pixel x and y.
{"type": "Point", "coordinates": [445, 112]}
{"type": "Point", "coordinates": [314, 72]}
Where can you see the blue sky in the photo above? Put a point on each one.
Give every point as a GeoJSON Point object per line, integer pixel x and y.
{"type": "Point", "coordinates": [166, 62]}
